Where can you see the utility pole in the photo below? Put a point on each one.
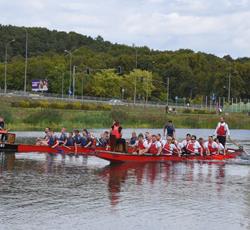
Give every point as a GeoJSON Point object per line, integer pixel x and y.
{"type": "Point", "coordinates": [26, 61]}
{"type": "Point", "coordinates": [70, 68]}
{"type": "Point", "coordinates": [62, 83]}
{"type": "Point", "coordinates": [229, 87]}
{"type": "Point", "coordinates": [73, 86]}
{"type": "Point", "coordinates": [135, 90]}
{"type": "Point", "coordinates": [136, 54]}
{"type": "Point", "coordinates": [167, 90]}
{"type": "Point", "coordinates": [147, 90]}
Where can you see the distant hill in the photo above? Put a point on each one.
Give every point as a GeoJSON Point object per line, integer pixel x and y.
{"type": "Point", "coordinates": [193, 75]}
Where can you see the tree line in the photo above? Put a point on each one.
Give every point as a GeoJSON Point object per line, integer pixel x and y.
{"type": "Point", "coordinates": [114, 70]}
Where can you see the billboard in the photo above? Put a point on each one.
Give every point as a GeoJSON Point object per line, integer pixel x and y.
{"type": "Point", "coordinates": [39, 85]}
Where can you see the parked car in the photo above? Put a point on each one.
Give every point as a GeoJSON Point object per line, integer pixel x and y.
{"type": "Point", "coordinates": [115, 102]}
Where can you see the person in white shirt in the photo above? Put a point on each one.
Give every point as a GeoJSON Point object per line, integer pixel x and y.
{"type": "Point", "coordinates": [182, 145]}
{"type": "Point", "coordinates": [155, 146]}
{"type": "Point", "coordinates": [170, 148]}
{"type": "Point", "coordinates": [221, 148]}
{"type": "Point", "coordinates": [193, 147]}
{"type": "Point", "coordinates": [211, 147]}
{"type": "Point", "coordinates": [222, 131]}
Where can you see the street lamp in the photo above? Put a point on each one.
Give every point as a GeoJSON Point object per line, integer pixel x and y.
{"type": "Point", "coordinates": [70, 67]}
{"type": "Point", "coordinates": [74, 81]}
{"type": "Point", "coordinates": [135, 90]}
{"type": "Point", "coordinates": [136, 64]}
{"type": "Point", "coordinates": [229, 87]}
{"type": "Point", "coordinates": [26, 60]}
{"type": "Point", "coordinates": [5, 66]}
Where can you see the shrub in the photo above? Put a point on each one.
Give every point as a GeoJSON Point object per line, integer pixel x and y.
{"type": "Point", "coordinates": [6, 114]}
{"type": "Point", "coordinates": [24, 104]}
{"type": "Point", "coordinates": [34, 104]}
{"type": "Point", "coordinates": [187, 111]}
{"type": "Point", "coordinates": [45, 115]}
{"type": "Point", "coordinates": [76, 105]}
{"type": "Point", "coordinates": [44, 104]}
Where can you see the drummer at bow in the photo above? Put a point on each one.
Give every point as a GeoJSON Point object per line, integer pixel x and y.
{"type": "Point", "coordinates": [3, 131]}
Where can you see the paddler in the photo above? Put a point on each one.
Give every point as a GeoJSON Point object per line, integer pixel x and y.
{"type": "Point", "coordinates": [155, 146]}
{"type": "Point", "coordinates": [222, 131]}
{"type": "Point", "coordinates": [211, 147]}
{"type": "Point", "coordinates": [4, 135]}
{"type": "Point", "coordinates": [70, 140]}
{"type": "Point", "coordinates": [77, 139]}
{"type": "Point", "coordinates": [193, 147]}
{"type": "Point", "coordinates": [62, 137]}
{"type": "Point", "coordinates": [43, 141]}
{"type": "Point", "coordinates": [52, 140]}
{"type": "Point", "coordinates": [170, 148]}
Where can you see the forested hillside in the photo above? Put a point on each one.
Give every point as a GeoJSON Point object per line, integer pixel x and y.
{"type": "Point", "coordinates": [111, 70]}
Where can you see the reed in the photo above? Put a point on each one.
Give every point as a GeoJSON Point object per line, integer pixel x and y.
{"type": "Point", "coordinates": [131, 117]}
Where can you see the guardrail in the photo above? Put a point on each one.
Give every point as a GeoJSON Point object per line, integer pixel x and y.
{"type": "Point", "coordinates": [239, 107]}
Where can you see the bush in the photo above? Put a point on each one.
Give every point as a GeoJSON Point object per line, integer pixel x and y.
{"type": "Point", "coordinates": [46, 115]}
{"type": "Point", "coordinates": [76, 105]}
{"type": "Point", "coordinates": [6, 114]}
{"type": "Point", "coordinates": [35, 104]}
{"type": "Point", "coordinates": [187, 111]}
{"type": "Point", "coordinates": [24, 104]}
{"type": "Point", "coordinates": [44, 104]}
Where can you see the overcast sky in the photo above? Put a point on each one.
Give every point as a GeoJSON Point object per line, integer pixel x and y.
{"type": "Point", "coordinates": [214, 26]}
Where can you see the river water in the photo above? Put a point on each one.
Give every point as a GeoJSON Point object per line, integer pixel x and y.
{"type": "Point", "coordinates": [41, 191]}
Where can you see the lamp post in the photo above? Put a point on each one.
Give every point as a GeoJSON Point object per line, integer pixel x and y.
{"type": "Point", "coordinates": [229, 87]}
{"type": "Point", "coordinates": [74, 81]}
{"type": "Point", "coordinates": [26, 61]}
{"type": "Point", "coordinates": [62, 83]}
{"type": "Point", "coordinates": [135, 90]}
{"type": "Point", "coordinates": [5, 65]}
{"type": "Point", "coordinates": [70, 67]}
{"type": "Point", "coordinates": [136, 54]}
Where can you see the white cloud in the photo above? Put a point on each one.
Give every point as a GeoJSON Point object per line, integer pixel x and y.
{"type": "Point", "coordinates": [217, 27]}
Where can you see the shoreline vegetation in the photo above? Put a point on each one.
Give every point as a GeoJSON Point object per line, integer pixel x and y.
{"type": "Point", "coordinates": [25, 115]}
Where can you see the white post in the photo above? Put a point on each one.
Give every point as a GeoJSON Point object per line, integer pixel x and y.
{"type": "Point", "coordinates": [229, 87]}
{"type": "Point", "coordinates": [135, 90]}
{"type": "Point", "coordinates": [73, 86]}
{"type": "Point", "coordinates": [62, 83]}
{"type": "Point", "coordinates": [167, 90]}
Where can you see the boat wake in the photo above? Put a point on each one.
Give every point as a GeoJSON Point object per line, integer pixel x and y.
{"type": "Point", "coordinates": [244, 159]}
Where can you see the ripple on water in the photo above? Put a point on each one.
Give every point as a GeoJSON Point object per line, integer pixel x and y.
{"type": "Point", "coordinates": [45, 192]}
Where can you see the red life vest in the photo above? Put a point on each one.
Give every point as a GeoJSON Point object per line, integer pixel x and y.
{"type": "Point", "coordinates": [167, 149]}
{"type": "Point", "coordinates": [211, 149]}
{"type": "Point", "coordinates": [190, 147]}
{"type": "Point", "coordinates": [141, 145]}
{"type": "Point", "coordinates": [115, 132]}
{"type": "Point", "coordinates": [221, 131]}
{"type": "Point", "coordinates": [153, 148]}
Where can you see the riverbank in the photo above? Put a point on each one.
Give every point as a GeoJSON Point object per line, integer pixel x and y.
{"type": "Point", "coordinates": [35, 119]}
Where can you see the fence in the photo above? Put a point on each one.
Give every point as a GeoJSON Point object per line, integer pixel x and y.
{"type": "Point", "coordinates": [236, 105]}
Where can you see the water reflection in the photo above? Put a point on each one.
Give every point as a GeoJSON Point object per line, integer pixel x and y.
{"type": "Point", "coordinates": [7, 161]}
{"type": "Point", "coordinates": [192, 173]}
{"type": "Point", "coordinates": [76, 192]}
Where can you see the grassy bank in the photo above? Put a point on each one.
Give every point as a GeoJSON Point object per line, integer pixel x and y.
{"type": "Point", "coordinates": [130, 117]}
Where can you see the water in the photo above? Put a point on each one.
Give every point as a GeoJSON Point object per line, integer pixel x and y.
{"type": "Point", "coordinates": [40, 191]}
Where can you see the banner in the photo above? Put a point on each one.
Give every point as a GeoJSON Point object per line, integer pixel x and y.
{"type": "Point", "coordinates": [39, 85]}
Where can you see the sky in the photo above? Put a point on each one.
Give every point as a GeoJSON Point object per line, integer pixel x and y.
{"type": "Point", "coordinates": [219, 27]}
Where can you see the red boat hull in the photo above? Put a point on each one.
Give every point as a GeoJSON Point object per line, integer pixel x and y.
{"type": "Point", "coordinates": [115, 157]}
{"type": "Point", "coordinates": [60, 149]}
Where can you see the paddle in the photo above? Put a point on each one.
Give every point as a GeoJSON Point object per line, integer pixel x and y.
{"type": "Point", "coordinates": [235, 143]}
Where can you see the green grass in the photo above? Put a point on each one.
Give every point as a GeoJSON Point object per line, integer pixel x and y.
{"type": "Point", "coordinates": [131, 117]}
